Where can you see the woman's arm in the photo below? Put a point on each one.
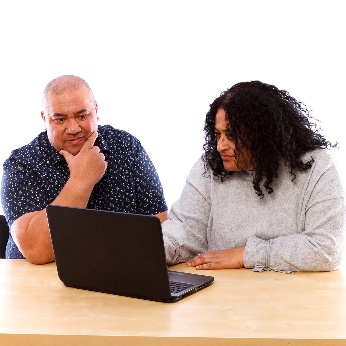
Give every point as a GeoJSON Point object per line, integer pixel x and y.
{"type": "Point", "coordinates": [319, 244]}
{"type": "Point", "coordinates": [185, 233]}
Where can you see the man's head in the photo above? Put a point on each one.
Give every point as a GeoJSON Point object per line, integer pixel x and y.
{"type": "Point", "coordinates": [69, 113]}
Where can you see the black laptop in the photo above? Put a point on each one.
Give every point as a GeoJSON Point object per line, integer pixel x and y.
{"type": "Point", "coordinates": [116, 253]}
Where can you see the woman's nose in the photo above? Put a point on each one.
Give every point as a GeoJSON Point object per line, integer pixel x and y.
{"type": "Point", "coordinates": [223, 144]}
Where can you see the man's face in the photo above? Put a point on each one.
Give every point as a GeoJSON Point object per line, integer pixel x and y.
{"type": "Point", "coordinates": [70, 118]}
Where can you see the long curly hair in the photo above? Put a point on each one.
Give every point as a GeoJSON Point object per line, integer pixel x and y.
{"type": "Point", "coordinates": [269, 123]}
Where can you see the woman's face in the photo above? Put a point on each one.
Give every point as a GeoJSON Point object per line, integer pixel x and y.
{"type": "Point", "coordinates": [226, 146]}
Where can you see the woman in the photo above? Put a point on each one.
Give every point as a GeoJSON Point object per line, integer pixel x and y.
{"type": "Point", "coordinates": [264, 195]}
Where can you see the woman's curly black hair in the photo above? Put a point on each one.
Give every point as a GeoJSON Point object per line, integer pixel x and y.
{"type": "Point", "coordinates": [268, 122]}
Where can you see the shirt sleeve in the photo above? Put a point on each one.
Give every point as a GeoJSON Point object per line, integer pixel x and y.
{"type": "Point", "coordinates": [319, 245]}
{"type": "Point", "coordinates": [20, 194]}
{"type": "Point", "coordinates": [185, 232]}
{"type": "Point", "coordinates": [149, 192]}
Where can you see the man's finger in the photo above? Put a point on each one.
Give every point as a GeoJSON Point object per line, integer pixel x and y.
{"type": "Point", "coordinates": [65, 154]}
{"type": "Point", "coordinates": [90, 141]}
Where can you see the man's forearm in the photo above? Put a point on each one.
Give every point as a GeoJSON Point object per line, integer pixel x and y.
{"type": "Point", "coordinates": [31, 232]}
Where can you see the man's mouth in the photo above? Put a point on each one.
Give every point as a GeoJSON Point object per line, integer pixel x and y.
{"type": "Point", "coordinates": [74, 140]}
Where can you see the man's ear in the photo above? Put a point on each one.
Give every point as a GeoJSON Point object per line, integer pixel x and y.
{"type": "Point", "coordinates": [44, 120]}
{"type": "Point", "coordinates": [96, 109]}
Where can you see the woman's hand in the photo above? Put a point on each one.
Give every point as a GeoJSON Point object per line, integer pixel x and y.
{"type": "Point", "coordinates": [222, 259]}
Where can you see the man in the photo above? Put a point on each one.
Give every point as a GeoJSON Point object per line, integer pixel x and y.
{"type": "Point", "coordinates": [74, 163]}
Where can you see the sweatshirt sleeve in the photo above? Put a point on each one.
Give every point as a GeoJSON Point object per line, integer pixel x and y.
{"type": "Point", "coordinates": [184, 234]}
{"type": "Point", "coordinates": [319, 244]}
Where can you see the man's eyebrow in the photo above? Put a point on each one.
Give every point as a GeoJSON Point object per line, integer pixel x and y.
{"type": "Point", "coordinates": [65, 115]}
{"type": "Point", "coordinates": [59, 115]}
{"type": "Point", "coordinates": [81, 111]}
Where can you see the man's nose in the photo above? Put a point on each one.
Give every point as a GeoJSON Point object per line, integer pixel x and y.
{"type": "Point", "coordinates": [72, 126]}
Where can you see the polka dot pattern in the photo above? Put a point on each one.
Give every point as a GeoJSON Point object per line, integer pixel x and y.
{"type": "Point", "coordinates": [35, 174]}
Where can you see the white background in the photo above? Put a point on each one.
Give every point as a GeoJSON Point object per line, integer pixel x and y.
{"type": "Point", "coordinates": [155, 66]}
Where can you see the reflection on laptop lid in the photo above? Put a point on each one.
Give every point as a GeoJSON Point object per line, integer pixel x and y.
{"type": "Point", "coordinates": [116, 253]}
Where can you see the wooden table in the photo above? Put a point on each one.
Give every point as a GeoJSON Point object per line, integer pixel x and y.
{"type": "Point", "coordinates": [240, 308]}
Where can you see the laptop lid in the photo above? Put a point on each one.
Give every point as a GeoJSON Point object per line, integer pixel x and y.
{"type": "Point", "coordinates": [118, 253]}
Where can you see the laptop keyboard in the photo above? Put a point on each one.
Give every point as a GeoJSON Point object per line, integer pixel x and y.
{"type": "Point", "coordinates": [177, 287]}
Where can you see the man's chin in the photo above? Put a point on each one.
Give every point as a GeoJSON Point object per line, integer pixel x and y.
{"type": "Point", "coordinates": [73, 150]}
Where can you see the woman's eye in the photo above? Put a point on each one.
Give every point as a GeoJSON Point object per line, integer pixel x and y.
{"type": "Point", "coordinates": [229, 136]}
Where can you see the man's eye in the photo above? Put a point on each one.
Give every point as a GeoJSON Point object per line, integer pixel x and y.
{"type": "Point", "coordinates": [59, 120]}
{"type": "Point", "coordinates": [83, 116]}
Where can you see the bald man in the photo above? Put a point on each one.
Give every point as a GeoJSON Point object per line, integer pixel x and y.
{"type": "Point", "coordinates": [75, 162]}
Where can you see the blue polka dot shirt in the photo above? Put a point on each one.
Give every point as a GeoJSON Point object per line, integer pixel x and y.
{"type": "Point", "coordinates": [35, 174]}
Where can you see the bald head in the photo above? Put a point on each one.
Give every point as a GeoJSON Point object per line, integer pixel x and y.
{"type": "Point", "coordinates": [69, 113]}
{"type": "Point", "coordinates": [62, 84]}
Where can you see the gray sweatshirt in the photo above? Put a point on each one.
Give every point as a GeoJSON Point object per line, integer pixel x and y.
{"type": "Point", "coordinates": [298, 227]}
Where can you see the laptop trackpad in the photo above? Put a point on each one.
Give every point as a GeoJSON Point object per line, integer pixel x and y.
{"type": "Point", "coordinates": [180, 277]}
